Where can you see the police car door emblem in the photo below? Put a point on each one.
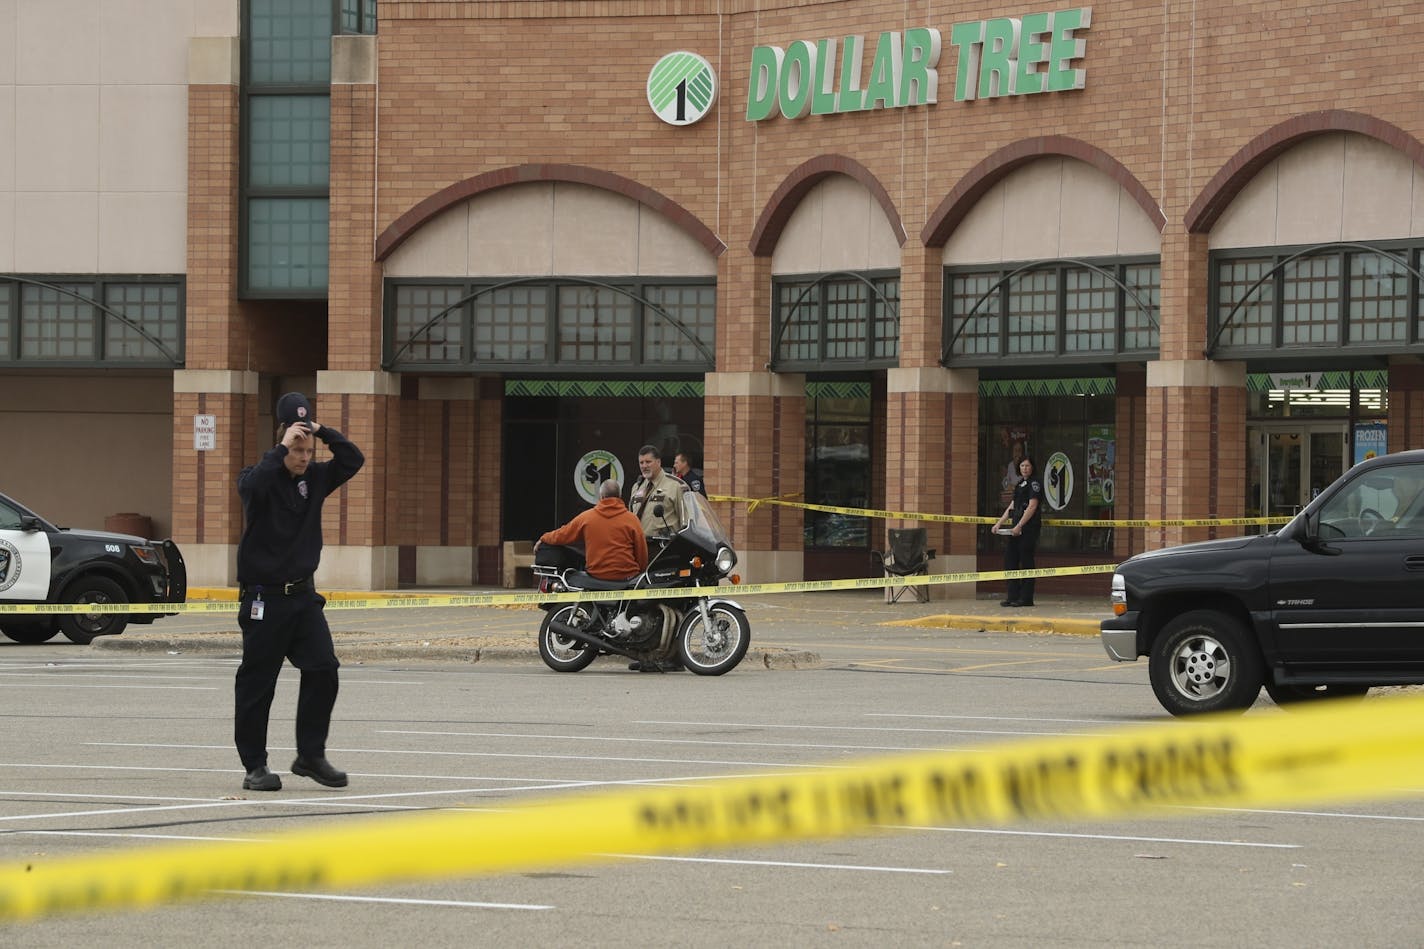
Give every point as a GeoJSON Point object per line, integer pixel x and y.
{"type": "Point", "coordinates": [9, 565]}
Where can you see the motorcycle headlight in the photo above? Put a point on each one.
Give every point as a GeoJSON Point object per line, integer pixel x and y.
{"type": "Point", "coordinates": [726, 560]}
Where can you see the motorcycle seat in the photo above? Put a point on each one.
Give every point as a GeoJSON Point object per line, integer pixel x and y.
{"type": "Point", "coordinates": [587, 581]}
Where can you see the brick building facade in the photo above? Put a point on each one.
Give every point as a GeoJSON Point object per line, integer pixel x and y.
{"type": "Point", "coordinates": [1120, 273]}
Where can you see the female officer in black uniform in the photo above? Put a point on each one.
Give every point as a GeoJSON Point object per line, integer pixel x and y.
{"type": "Point", "coordinates": [1024, 525]}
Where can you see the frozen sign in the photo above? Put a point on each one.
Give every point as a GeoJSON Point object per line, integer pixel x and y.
{"type": "Point", "coordinates": [1004, 56]}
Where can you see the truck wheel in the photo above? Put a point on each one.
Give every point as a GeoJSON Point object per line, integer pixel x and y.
{"type": "Point", "coordinates": [1289, 695]}
{"type": "Point", "coordinates": [81, 628]}
{"type": "Point", "coordinates": [1204, 661]}
{"type": "Point", "coordinates": [30, 634]}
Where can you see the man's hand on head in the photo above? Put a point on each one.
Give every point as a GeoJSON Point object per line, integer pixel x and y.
{"type": "Point", "coordinates": [296, 433]}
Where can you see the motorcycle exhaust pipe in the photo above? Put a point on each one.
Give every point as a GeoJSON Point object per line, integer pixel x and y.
{"type": "Point", "coordinates": [564, 629]}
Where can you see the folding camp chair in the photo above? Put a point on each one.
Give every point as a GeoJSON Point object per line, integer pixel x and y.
{"type": "Point", "coordinates": [909, 554]}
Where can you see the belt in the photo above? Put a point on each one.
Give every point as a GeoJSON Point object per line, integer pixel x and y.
{"type": "Point", "coordinates": [282, 589]}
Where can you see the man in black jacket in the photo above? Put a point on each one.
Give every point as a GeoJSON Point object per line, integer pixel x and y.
{"type": "Point", "coordinates": [279, 610]}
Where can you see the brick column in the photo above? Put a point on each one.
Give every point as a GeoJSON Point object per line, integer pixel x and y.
{"type": "Point", "coordinates": [356, 554]}
{"type": "Point", "coordinates": [1196, 408]}
{"type": "Point", "coordinates": [1130, 426]}
{"type": "Point", "coordinates": [1196, 454]}
{"type": "Point", "coordinates": [354, 394]}
{"type": "Point", "coordinates": [755, 434]}
{"type": "Point", "coordinates": [1406, 406]}
{"type": "Point", "coordinates": [207, 515]}
{"type": "Point", "coordinates": [446, 452]}
{"type": "Point", "coordinates": [932, 460]}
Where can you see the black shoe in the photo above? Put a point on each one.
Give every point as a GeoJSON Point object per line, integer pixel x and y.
{"type": "Point", "coordinates": [261, 779]}
{"type": "Point", "coordinates": [1024, 603]}
{"type": "Point", "coordinates": [1007, 603]}
{"type": "Point", "coordinates": [320, 771]}
{"type": "Point", "coordinates": [635, 666]}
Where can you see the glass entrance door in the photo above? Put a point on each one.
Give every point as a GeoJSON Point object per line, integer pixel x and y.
{"type": "Point", "coordinates": [1288, 464]}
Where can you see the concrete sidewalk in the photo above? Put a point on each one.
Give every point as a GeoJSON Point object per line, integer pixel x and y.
{"type": "Point", "coordinates": [509, 633]}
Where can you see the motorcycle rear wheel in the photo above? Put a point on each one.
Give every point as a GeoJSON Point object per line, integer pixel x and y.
{"type": "Point", "coordinates": [564, 653]}
{"type": "Point", "coordinates": [714, 651]}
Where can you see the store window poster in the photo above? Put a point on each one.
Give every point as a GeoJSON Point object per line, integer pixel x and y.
{"type": "Point", "coordinates": [1371, 440]}
{"type": "Point", "coordinates": [1102, 460]}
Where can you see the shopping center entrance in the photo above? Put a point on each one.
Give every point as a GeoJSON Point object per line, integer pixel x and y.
{"type": "Point", "coordinates": [1288, 463]}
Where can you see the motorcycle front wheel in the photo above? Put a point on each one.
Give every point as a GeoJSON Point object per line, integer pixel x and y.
{"type": "Point", "coordinates": [711, 650]}
{"type": "Point", "coordinates": [564, 653]}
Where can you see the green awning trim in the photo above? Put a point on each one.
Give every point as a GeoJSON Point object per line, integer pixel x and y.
{"type": "Point", "coordinates": [603, 389]}
{"type": "Point", "coordinates": [838, 390]}
{"type": "Point", "coordinates": [1090, 385]}
{"type": "Point", "coordinates": [1333, 379]}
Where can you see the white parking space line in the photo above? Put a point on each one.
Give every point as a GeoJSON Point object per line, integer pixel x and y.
{"type": "Point", "coordinates": [95, 833]}
{"type": "Point", "coordinates": [71, 684]}
{"type": "Point", "coordinates": [52, 673]}
{"type": "Point", "coordinates": [1067, 836]}
{"type": "Point", "coordinates": [1342, 816]}
{"type": "Point", "coordinates": [464, 904]}
{"type": "Point", "coordinates": [857, 728]}
{"type": "Point", "coordinates": [990, 718]}
{"type": "Point", "coordinates": [655, 741]}
{"type": "Point", "coordinates": [501, 754]}
{"type": "Point", "coordinates": [777, 863]}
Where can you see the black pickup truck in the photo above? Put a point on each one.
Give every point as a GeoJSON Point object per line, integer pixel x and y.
{"type": "Point", "coordinates": [1329, 605]}
{"type": "Point", "coordinates": [42, 563]}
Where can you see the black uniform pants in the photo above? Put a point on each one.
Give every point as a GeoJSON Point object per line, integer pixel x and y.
{"type": "Point", "coordinates": [292, 627]}
{"type": "Point", "coordinates": [1018, 555]}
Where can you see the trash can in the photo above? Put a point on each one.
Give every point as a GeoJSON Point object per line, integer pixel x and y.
{"type": "Point", "coordinates": [140, 525]}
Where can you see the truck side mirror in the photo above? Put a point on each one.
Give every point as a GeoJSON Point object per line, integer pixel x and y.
{"type": "Point", "coordinates": [1308, 535]}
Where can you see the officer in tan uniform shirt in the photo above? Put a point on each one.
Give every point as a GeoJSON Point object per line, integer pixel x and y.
{"type": "Point", "coordinates": [657, 487]}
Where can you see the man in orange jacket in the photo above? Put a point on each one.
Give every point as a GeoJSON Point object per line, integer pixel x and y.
{"type": "Point", "coordinates": [614, 545]}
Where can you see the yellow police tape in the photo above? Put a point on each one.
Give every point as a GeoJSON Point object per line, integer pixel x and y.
{"type": "Point", "coordinates": [398, 601]}
{"type": "Point", "coordinates": [1331, 752]}
{"type": "Point", "coordinates": [753, 503]}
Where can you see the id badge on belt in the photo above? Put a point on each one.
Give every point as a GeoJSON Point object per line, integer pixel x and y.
{"type": "Point", "coordinates": [258, 607]}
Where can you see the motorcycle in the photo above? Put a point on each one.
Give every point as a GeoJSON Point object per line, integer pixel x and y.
{"type": "Point", "coordinates": [703, 632]}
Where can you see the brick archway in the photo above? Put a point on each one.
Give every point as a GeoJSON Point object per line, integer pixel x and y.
{"type": "Point", "coordinates": [1217, 196]}
{"type": "Point", "coordinates": [992, 170]}
{"type": "Point", "coordinates": [412, 220]}
{"type": "Point", "coordinates": [784, 201]}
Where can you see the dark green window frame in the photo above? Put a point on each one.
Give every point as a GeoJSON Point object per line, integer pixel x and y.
{"type": "Point", "coordinates": [93, 320]}
{"type": "Point", "coordinates": [356, 16]}
{"type": "Point", "coordinates": [284, 210]}
{"type": "Point", "coordinates": [616, 326]}
{"type": "Point", "coordinates": [1079, 311]}
{"type": "Point", "coordinates": [835, 321]}
{"type": "Point", "coordinates": [1366, 299]}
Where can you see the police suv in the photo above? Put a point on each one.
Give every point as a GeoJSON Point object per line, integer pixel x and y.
{"type": "Point", "coordinates": [42, 563]}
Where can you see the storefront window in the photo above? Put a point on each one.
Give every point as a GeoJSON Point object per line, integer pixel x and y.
{"type": "Point", "coordinates": [551, 426]}
{"type": "Point", "coordinates": [1340, 297]}
{"type": "Point", "coordinates": [836, 320]}
{"type": "Point", "coordinates": [1067, 427]}
{"type": "Point", "coordinates": [615, 326]}
{"type": "Point", "coordinates": [1052, 310]}
{"type": "Point", "coordinates": [838, 463]}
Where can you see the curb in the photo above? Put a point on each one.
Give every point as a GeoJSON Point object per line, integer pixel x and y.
{"type": "Point", "coordinates": [1027, 624]}
{"type": "Point", "coordinates": [414, 651]}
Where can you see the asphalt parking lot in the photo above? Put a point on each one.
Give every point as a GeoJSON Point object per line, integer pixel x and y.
{"type": "Point", "coordinates": [117, 748]}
